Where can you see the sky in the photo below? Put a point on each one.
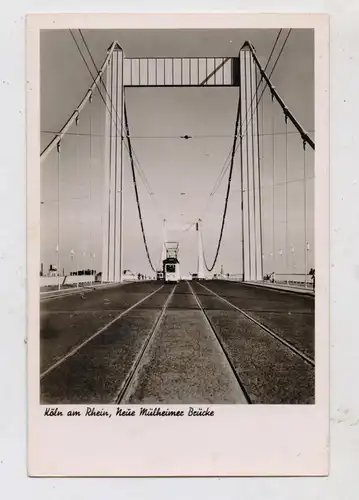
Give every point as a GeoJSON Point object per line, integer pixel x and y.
{"type": "Point", "coordinates": [171, 165]}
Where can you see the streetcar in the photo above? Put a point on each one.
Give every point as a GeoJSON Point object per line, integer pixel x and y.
{"type": "Point", "coordinates": [171, 270]}
{"type": "Point", "coordinates": [159, 275]}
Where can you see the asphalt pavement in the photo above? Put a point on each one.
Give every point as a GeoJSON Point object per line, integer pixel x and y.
{"type": "Point", "coordinates": [208, 342]}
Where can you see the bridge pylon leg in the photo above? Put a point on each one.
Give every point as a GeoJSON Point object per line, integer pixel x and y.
{"type": "Point", "coordinates": [112, 247]}
{"type": "Point", "coordinates": [250, 169]}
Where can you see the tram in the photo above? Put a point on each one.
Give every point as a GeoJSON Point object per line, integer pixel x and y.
{"type": "Point", "coordinates": [171, 267]}
{"type": "Point", "coordinates": [159, 275]}
{"type": "Point", "coordinates": [171, 270]}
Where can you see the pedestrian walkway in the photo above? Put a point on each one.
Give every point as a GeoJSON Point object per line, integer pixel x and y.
{"type": "Point", "coordinates": [283, 286]}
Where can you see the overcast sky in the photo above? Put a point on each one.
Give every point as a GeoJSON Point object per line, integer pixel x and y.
{"type": "Point", "coordinates": [172, 166]}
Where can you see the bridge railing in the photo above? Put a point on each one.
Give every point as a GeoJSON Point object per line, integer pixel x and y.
{"type": "Point", "coordinates": [294, 279]}
{"type": "Point", "coordinates": [230, 277]}
{"type": "Point", "coordinates": [46, 281]}
{"type": "Point", "coordinates": [299, 280]}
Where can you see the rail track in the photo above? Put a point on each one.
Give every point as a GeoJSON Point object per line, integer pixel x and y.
{"type": "Point", "coordinates": [136, 367]}
{"type": "Point", "coordinates": [97, 333]}
{"type": "Point", "coordinates": [267, 330]}
{"type": "Point", "coordinates": [181, 322]}
{"type": "Point", "coordinates": [246, 397]}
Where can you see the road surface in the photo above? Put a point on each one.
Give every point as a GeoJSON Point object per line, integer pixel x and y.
{"type": "Point", "coordinates": [206, 342]}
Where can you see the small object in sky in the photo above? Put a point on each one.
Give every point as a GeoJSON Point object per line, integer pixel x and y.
{"type": "Point", "coordinates": [182, 194]}
{"type": "Point", "coordinates": [186, 137]}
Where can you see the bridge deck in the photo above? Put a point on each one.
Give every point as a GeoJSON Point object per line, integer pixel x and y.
{"type": "Point", "coordinates": [192, 343]}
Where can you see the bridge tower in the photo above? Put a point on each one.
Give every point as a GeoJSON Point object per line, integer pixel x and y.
{"type": "Point", "coordinates": [250, 168]}
{"type": "Point", "coordinates": [200, 263]}
{"type": "Point", "coordinates": [112, 248]}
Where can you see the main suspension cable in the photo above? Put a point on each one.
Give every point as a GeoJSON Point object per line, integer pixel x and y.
{"type": "Point", "coordinates": [210, 268]}
{"type": "Point", "coordinates": [117, 119]}
{"type": "Point", "coordinates": [304, 135]}
{"type": "Point", "coordinates": [129, 148]}
{"type": "Point", "coordinates": [235, 147]}
{"type": "Point", "coordinates": [226, 161]}
{"type": "Point", "coordinates": [127, 130]}
{"type": "Point", "coordinates": [255, 95]}
{"type": "Point", "coordinates": [263, 76]}
{"type": "Point", "coordinates": [258, 100]}
{"type": "Point", "coordinates": [59, 135]}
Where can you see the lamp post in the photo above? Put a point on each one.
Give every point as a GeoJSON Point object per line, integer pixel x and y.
{"type": "Point", "coordinates": [72, 255]}
{"type": "Point", "coordinates": [57, 250]}
{"type": "Point", "coordinates": [306, 261]}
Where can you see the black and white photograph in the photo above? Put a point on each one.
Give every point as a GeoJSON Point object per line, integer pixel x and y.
{"type": "Point", "coordinates": [177, 217]}
{"type": "Point", "coordinates": [179, 239]}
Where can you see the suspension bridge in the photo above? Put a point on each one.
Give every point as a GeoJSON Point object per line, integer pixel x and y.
{"type": "Point", "coordinates": [238, 326]}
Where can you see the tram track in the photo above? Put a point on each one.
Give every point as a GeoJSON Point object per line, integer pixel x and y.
{"type": "Point", "coordinates": [270, 332]}
{"type": "Point", "coordinates": [187, 344]}
{"type": "Point", "coordinates": [77, 348]}
{"type": "Point", "coordinates": [246, 397]}
{"type": "Point", "coordinates": [136, 366]}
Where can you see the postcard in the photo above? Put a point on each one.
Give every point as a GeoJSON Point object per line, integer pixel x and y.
{"type": "Point", "coordinates": [178, 255]}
